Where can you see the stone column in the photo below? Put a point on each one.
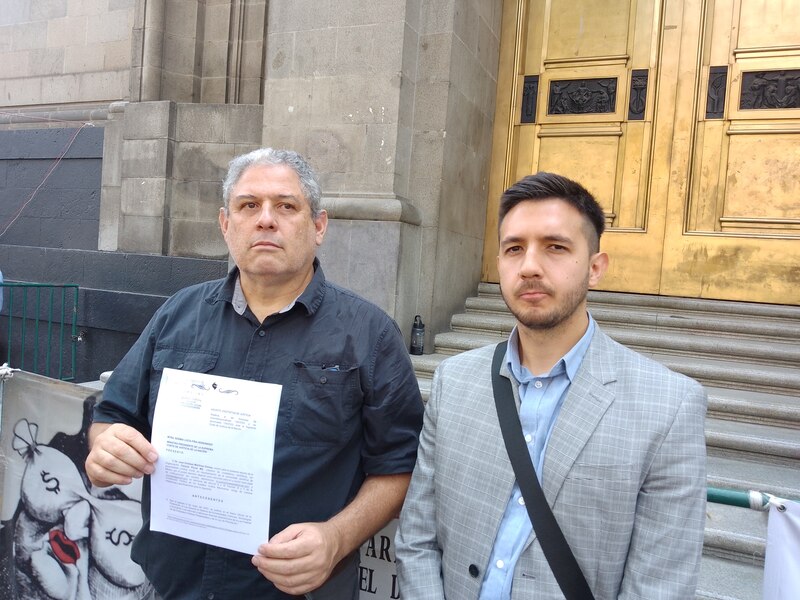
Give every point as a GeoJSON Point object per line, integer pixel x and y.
{"type": "Point", "coordinates": [392, 102]}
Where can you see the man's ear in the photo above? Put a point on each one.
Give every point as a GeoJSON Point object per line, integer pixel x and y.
{"type": "Point", "coordinates": [321, 225]}
{"type": "Point", "coordinates": [223, 220]}
{"type": "Point", "coordinates": [598, 263]}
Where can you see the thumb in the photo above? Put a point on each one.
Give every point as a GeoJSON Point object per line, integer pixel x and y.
{"type": "Point", "coordinates": [287, 535]}
{"type": "Point", "coordinates": [273, 548]}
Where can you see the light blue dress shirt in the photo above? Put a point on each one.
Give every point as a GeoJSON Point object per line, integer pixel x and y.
{"type": "Point", "coordinates": [541, 398]}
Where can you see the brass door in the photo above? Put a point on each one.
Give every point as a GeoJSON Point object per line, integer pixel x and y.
{"type": "Point", "coordinates": [681, 116]}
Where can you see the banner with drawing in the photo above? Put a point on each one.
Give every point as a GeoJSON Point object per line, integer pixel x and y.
{"type": "Point", "coordinates": [63, 539]}
{"type": "Point", "coordinates": [60, 538]}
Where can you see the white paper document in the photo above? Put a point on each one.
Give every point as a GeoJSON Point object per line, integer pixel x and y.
{"type": "Point", "coordinates": [215, 438]}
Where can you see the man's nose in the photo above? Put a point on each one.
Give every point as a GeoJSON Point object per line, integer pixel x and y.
{"type": "Point", "coordinates": [266, 217]}
{"type": "Point", "coordinates": [531, 265]}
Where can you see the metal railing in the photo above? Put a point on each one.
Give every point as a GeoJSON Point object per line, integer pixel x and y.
{"type": "Point", "coordinates": [750, 499]}
{"type": "Point", "coordinates": [42, 328]}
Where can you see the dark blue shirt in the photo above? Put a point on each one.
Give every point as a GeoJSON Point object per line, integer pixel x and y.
{"type": "Point", "coordinates": [350, 406]}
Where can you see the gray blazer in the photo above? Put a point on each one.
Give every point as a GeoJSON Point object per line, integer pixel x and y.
{"type": "Point", "coordinates": [624, 473]}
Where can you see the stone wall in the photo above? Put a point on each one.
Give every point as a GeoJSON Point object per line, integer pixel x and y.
{"type": "Point", "coordinates": [457, 126]}
{"type": "Point", "coordinates": [49, 214]}
{"type": "Point", "coordinates": [188, 51]}
{"type": "Point", "coordinates": [47, 201]}
{"type": "Point", "coordinates": [64, 51]}
{"type": "Point", "coordinates": [163, 171]}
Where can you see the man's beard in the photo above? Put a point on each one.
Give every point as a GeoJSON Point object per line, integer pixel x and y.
{"type": "Point", "coordinates": [533, 318]}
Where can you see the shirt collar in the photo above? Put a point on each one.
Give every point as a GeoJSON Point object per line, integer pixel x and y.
{"type": "Point", "coordinates": [568, 363]}
{"type": "Point", "coordinates": [310, 299]}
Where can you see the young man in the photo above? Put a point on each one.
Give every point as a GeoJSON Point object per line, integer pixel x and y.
{"type": "Point", "coordinates": [350, 409]}
{"type": "Point", "coordinates": [616, 439]}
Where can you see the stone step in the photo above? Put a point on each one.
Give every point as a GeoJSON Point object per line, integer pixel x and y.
{"type": "Point", "coordinates": [757, 327]}
{"type": "Point", "coordinates": [726, 579]}
{"type": "Point", "coordinates": [763, 443]}
{"type": "Point", "coordinates": [751, 350]}
{"type": "Point", "coordinates": [754, 407]}
{"type": "Point", "coordinates": [734, 375]}
{"type": "Point", "coordinates": [736, 534]}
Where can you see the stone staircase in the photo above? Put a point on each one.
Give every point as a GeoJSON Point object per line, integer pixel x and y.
{"type": "Point", "coordinates": [748, 358]}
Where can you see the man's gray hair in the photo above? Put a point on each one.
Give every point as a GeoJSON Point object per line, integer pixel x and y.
{"type": "Point", "coordinates": [275, 157]}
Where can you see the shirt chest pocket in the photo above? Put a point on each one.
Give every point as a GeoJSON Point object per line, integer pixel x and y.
{"type": "Point", "coordinates": [324, 404]}
{"type": "Point", "coordinates": [197, 361]}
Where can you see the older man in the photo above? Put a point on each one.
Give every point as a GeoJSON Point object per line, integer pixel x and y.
{"type": "Point", "coordinates": [350, 409]}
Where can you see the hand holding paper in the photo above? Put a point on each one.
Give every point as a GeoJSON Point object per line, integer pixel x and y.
{"type": "Point", "coordinates": [119, 453]}
{"type": "Point", "coordinates": [300, 558]}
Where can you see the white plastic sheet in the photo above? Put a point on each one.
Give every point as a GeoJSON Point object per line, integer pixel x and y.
{"type": "Point", "coordinates": [782, 562]}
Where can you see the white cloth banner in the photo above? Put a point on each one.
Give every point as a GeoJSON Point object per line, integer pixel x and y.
{"type": "Point", "coordinates": [782, 562]}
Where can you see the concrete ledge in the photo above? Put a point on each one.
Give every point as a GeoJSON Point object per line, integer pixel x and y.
{"type": "Point", "coordinates": [46, 118]}
{"type": "Point", "coordinates": [369, 207]}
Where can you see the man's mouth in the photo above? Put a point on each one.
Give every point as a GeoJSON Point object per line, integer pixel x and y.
{"type": "Point", "coordinates": [64, 548]}
{"type": "Point", "coordinates": [531, 293]}
{"type": "Point", "coordinates": [265, 244]}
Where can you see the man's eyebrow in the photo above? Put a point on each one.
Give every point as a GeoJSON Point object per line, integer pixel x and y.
{"type": "Point", "coordinates": [511, 239]}
{"type": "Point", "coordinates": [561, 239]}
{"type": "Point", "coordinates": [274, 196]}
{"type": "Point", "coordinates": [515, 239]}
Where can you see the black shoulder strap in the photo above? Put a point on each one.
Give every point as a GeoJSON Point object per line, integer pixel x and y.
{"type": "Point", "coordinates": [556, 550]}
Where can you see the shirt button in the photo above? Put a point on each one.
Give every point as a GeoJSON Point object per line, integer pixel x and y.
{"type": "Point", "coordinates": [474, 571]}
{"type": "Point", "coordinates": [529, 438]}
{"type": "Point", "coordinates": [323, 379]}
{"type": "Point", "coordinates": [261, 333]}
{"type": "Point", "coordinates": [521, 501]}
{"type": "Point", "coordinates": [210, 596]}
{"type": "Point", "coordinates": [180, 366]}
{"type": "Point", "coordinates": [500, 564]}
{"type": "Point", "coordinates": [537, 384]}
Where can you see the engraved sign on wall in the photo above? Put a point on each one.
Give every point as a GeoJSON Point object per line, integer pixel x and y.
{"type": "Point", "coordinates": [770, 89]}
{"type": "Point", "coordinates": [530, 89]}
{"type": "Point", "coordinates": [638, 100]}
{"type": "Point", "coordinates": [582, 96]}
{"type": "Point", "coordinates": [715, 97]}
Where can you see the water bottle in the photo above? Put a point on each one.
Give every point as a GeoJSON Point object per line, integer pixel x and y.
{"type": "Point", "coordinates": [417, 336]}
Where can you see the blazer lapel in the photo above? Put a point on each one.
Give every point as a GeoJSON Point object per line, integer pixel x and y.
{"type": "Point", "coordinates": [588, 398]}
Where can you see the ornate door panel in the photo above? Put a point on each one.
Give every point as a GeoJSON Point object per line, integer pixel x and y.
{"type": "Point", "coordinates": [734, 229]}
{"type": "Point", "coordinates": [634, 99]}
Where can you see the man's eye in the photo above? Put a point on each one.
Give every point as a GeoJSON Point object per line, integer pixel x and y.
{"type": "Point", "coordinates": [513, 249]}
{"type": "Point", "coordinates": [250, 205]}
